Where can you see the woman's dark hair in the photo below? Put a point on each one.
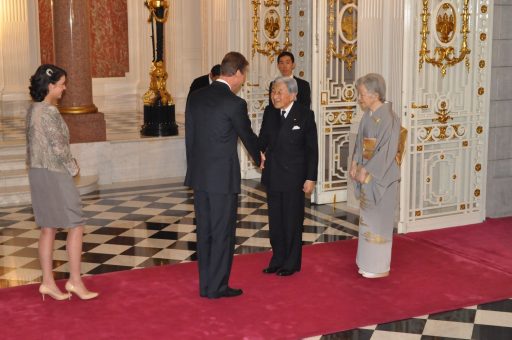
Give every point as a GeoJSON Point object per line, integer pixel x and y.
{"type": "Point", "coordinates": [45, 74]}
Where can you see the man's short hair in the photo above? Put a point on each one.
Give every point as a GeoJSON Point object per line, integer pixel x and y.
{"type": "Point", "coordinates": [285, 54]}
{"type": "Point", "coordinates": [232, 62]}
{"type": "Point", "coordinates": [290, 83]}
{"type": "Point", "coordinates": [215, 71]}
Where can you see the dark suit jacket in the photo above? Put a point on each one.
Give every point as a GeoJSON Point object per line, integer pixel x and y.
{"type": "Point", "coordinates": [291, 148]}
{"type": "Point", "coordinates": [198, 83]}
{"type": "Point", "coordinates": [303, 96]}
{"type": "Point", "coordinates": [214, 119]}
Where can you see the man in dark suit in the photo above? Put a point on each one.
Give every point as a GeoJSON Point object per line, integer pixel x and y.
{"type": "Point", "coordinates": [205, 80]}
{"type": "Point", "coordinates": [286, 65]}
{"type": "Point", "coordinates": [288, 137]}
{"type": "Point", "coordinates": [215, 117]}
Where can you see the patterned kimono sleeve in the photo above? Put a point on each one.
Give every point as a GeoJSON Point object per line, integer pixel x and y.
{"type": "Point", "coordinates": [58, 136]}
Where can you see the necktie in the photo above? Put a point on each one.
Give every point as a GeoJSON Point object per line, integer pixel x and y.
{"type": "Point", "coordinates": [283, 112]}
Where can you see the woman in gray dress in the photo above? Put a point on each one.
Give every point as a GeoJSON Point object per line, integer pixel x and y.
{"type": "Point", "coordinates": [55, 198]}
{"type": "Point", "coordinates": [376, 174]}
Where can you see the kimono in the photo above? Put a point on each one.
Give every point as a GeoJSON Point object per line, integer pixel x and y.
{"type": "Point", "coordinates": [376, 150]}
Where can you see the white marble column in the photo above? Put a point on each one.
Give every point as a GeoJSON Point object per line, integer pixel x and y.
{"type": "Point", "coordinates": [380, 43]}
{"type": "Point", "coordinates": [19, 36]}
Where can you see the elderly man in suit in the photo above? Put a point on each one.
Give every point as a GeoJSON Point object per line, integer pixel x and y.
{"type": "Point", "coordinates": [215, 117]}
{"type": "Point", "coordinates": [286, 65]}
{"type": "Point", "coordinates": [205, 80]}
{"type": "Point", "coordinates": [288, 137]}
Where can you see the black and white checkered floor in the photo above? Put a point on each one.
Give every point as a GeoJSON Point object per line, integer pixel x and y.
{"type": "Point", "coordinates": [152, 223]}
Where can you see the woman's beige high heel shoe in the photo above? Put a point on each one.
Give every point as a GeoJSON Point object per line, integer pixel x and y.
{"type": "Point", "coordinates": [82, 295]}
{"type": "Point", "coordinates": [56, 295]}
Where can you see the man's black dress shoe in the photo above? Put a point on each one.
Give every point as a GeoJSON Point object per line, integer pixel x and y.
{"type": "Point", "coordinates": [229, 292]}
{"type": "Point", "coordinates": [285, 272]}
{"type": "Point", "coordinates": [270, 270]}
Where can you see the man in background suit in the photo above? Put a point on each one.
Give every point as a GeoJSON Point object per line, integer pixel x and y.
{"type": "Point", "coordinates": [288, 137]}
{"type": "Point", "coordinates": [215, 117]}
{"type": "Point", "coordinates": [205, 80]}
{"type": "Point", "coordinates": [286, 65]}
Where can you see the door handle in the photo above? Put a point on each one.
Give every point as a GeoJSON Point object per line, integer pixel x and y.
{"type": "Point", "coordinates": [416, 106]}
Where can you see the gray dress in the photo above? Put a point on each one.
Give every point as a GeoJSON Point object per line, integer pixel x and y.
{"type": "Point", "coordinates": [55, 199]}
{"type": "Point", "coordinates": [375, 149]}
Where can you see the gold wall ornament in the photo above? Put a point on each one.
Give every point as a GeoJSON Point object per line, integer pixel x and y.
{"type": "Point", "coordinates": [478, 167]}
{"type": "Point", "coordinates": [347, 29]}
{"type": "Point", "coordinates": [481, 63]}
{"type": "Point", "coordinates": [481, 91]}
{"type": "Point", "coordinates": [417, 213]}
{"type": "Point", "coordinates": [483, 9]}
{"type": "Point", "coordinates": [272, 28]}
{"type": "Point", "coordinates": [446, 23]}
{"type": "Point", "coordinates": [271, 3]}
{"type": "Point", "coordinates": [477, 192]}
{"type": "Point", "coordinates": [443, 114]}
{"type": "Point", "coordinates": [444, 56]}
{"type": "Point", "coordinates": [479, 129]}
{"type": "Point", "coordinates": [272, 24]}
{"type": "Point", "coordinates": [483, 36]}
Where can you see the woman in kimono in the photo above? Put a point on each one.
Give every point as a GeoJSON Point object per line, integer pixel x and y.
{"type": "Point", "coordinates": [376, 175]}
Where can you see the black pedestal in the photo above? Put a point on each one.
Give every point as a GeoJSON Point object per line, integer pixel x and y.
{"type": "Point", "coordinates": [159, 121]}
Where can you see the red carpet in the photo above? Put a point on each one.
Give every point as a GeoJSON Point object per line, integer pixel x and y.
{"type": "Point", "coordinates": [429, 274]}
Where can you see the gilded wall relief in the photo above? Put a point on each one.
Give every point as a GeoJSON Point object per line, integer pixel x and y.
{"type": "Point", "coordinates": [445, 27]}
{"type": "Point", "coordinates": [343, 35]}
{"type": "Point", "coordinates": [273, 26]}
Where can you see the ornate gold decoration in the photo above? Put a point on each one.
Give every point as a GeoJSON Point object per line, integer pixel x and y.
{"type": "Point", "coordinates": [301, 34]}
{"type": "Point", "coordinates": [339, 118]}
{"type": "Point", "coordinates": [301, 54]}
{"type": "Point", "coordinates": [454, 177]}
{"type": "Point", "coordinates": [477, 192]}
{"type": "Point", "coordinates": [157, 85]}
{"type": "Point", "coordinates": [301, 13]}
{"type": "Point", "coordinates": [442, 156]}
{"type": "Point", "coordinates": [427, 179]}
{"type": "Point", "coordinates": [271, 3]}
{"type": "Point", "coordinates": [443, 114]}
{"type": "Point", "coordinates": [419, 148]}
{"type": "Point", "coordinates": [272, 26]}
{"type": "Point", "coordinates": [421, 106]}
{"type": "Point", "coordinates": [483, 9]}
{"type": "Point", "coordinates": [301, 74]}
{"type": "Point", "coordinates": [483, 36]}
{"type": "Point", "coordinates": [443, 132]}
{"type": "Point", "coordinates": [481, 91]}
{"type": "Point", "coordinates": [479, 129]}
{"type": "Point", "coordinates": [446, 24]}
{"type": "Point", "coordinates": [417, 213]}
{"type": "Point", "coordinates": [478, 167]}
{"type": "Point", "coordinates": [462, 206]}
{"type": "Point", "coordinates": [481, 63]}
{"type": "Point", "coordinates": [444, 57]}
{"type": "Point", "coordinates": [349, 29]}
{"type": "Point", "coordinates": [465, 143]}
{"type": "Point", "coordinates": [152, 5]}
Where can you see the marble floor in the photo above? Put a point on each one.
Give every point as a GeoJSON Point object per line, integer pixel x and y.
{"type": "Point", "coordinates": [139, 225]}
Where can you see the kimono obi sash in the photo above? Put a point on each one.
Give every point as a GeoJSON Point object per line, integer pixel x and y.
{"type": "Point", "coordinates": [401, 145]}
{"type": "Point", "coordinates": [369, 147]}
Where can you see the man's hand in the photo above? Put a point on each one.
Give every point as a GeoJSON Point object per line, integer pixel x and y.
{"type": "Point", "coordinates": [262, 163]}
{"type": "Point", "coordinates": [308, 186]}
